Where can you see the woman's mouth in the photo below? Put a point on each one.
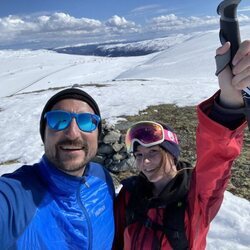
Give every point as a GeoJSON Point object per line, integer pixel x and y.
{"type": "Point", "coordinates": [151, 170]}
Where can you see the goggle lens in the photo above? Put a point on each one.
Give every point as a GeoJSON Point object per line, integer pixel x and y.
{"type": "Point", "coordinates": [60, 120]}
{"type": "Point", "coordinates": [145, 133]}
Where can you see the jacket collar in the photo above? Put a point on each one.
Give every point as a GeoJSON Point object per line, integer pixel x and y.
{"type": "Point", "coordinates": [58, 181]}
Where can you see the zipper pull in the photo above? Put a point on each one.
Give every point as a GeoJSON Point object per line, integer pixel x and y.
{"type": "Point", "coordinates": [85, 182]}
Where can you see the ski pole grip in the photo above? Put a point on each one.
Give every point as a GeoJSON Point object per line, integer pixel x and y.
{"type": "Point", "coordinates": [229, 26]}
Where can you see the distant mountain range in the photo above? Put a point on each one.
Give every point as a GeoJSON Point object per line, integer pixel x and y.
{"type": "Point", "coordinates": [118, 48]}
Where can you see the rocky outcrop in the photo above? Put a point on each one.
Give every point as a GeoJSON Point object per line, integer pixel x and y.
{"type": "Point", "coordinates": [112, 151]}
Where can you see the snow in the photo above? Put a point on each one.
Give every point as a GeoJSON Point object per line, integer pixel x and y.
{"type": "Point", "coordinates": [183, 74]}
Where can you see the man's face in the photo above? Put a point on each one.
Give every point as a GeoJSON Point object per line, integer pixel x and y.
{"type": "Point", "coordinates": [71, 149]}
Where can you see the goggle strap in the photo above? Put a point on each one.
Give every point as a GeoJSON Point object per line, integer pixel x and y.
{"type": "Point", "coordinates": [170, 136]}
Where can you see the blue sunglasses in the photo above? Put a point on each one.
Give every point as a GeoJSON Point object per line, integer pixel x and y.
{"type": "Point", "coordinates": [60, 120]}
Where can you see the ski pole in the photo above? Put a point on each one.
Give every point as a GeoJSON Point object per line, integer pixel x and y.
{"type": "Point", "coordinates": [229, 31]}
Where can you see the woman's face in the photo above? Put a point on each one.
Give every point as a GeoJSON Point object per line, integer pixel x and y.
{"type": "Point", "coordinates": [151, 163]}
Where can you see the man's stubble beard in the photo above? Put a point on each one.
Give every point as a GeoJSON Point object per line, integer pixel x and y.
{"type": "Point", "coordinates": [66, 163]}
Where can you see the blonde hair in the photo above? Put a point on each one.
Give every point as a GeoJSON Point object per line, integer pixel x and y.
{"type": "Point", "coordinates": [168, 159]}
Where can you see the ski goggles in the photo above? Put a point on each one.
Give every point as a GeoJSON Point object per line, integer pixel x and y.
{"type": "Point", "coordinates": [60, 120]}
{"type": "Point", "coordinates": [147, 134]}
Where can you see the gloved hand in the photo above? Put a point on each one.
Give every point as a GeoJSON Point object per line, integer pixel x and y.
{"type": "Point", "coordinates": [231, 82]}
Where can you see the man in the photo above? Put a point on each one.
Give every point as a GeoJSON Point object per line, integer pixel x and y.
{"type": "Point", "coordinates": [65, 201]}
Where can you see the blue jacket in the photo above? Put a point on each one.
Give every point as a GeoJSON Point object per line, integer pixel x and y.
{"type": "Point", "coordinates": [41, 207]}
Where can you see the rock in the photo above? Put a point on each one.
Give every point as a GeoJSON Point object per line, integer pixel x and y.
{"type": "Point", "coordinates": [105, 149]}
{"type": "Point", "coordinates": [99, 159]}
{"type": "Point", "coordinates": [118, 146]}
{"type": "Point", "coordinates": [117, 157]}
{"type": "Point", "coordinates": [111, 137]}
{"type": "Point", "coordinates": [112, 151]}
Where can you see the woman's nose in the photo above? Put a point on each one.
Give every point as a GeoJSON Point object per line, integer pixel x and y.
{"type": "Point", "coordinates": [146, 159]}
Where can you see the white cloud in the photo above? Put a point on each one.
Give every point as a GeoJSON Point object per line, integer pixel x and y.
{"type": "Point", "coordinates": [46, 28]}
{"type": "Point", "coordinates": [118, 27]}
{"type": "Point", "coordinates": [146, 8]}
{"type": "Point", "coordinates": [59, 29]}
{"type": "Point", "coordinates": [173, 22]}
{"type": "Point", "coordinates": [244, 9]}
{"type": "Point", "coordinates": [56, 22]}
{"type": "Point", "coordinates": [147, 11]}
{"type": "Point", "coordinates": [62, 21]}
{"type": "Point", "coordinates": [62, 27]}
{"type": "Point", "coordinates": [121, 22]}
{"type": "Point", "coordinates": [243, 18]}
{"type": "Point", "coordinates": [13, 23]}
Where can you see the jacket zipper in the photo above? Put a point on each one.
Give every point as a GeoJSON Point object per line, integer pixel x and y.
{"type": "Point", "coordinates": [90, 232]}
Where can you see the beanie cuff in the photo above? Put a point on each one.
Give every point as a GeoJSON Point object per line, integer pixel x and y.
{"type": "Point", "coordinates": [70, 93]}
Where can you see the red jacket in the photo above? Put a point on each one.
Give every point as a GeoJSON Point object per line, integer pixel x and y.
{"type": "Point", "coordinates": [217, 147]}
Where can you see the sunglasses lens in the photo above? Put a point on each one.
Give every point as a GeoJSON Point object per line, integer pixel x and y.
{"type": "Point", "coordinates": [87, 122]}
{"type": "Point", "coordinates": [58, 120]}
{"type": "Point", "coordinates": [146, 133]}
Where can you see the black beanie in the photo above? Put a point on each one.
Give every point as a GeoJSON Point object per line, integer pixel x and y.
{"type": "Point", "coordinates": [169, 146]}
{"type": "Point", "coordinates": [70, 93]}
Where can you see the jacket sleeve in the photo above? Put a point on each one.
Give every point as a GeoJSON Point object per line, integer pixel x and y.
{"type": "Point", "coordinates": [5, 214]}
{"type": "Point", "coordinates": [217, 148]}
{"type": "Point", "coordinates": [20, 195]}
{"type": "Point", "coordinates": [14, 215]}
{"type": "Point", "coordinates": [120, 219]}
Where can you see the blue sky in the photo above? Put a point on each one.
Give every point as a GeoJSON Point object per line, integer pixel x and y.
{"type": "Point", "coordinates": [33, 23]}
{"type": "Point", "coordinates": [104, 9]}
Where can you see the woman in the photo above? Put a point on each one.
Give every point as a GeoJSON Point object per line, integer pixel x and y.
{"type": "Point", "coordinates": [170, 205]}
{"type": "Point", "coordinates": [160, 189]}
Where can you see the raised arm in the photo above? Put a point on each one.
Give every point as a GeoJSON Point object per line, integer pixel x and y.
{"type": "Point", "coordinates": [220, 133]}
